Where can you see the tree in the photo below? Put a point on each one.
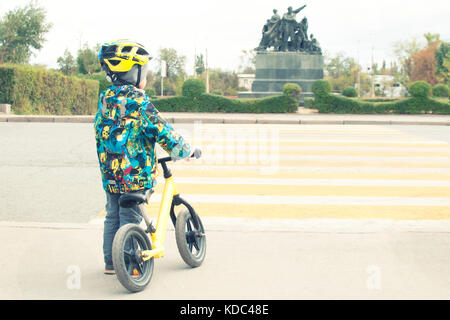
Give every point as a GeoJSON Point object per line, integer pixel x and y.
{"type": "Point", "coordinates": [343, 71]}
{"type": "Point", "coordinates": [442, 56]}
{"type": "Point", "coordinates": [87, 60]}
{"type": "Point", "coordinates": [247, 62]}
{"type": "Point", "coordinates": [383, 68]}
{"type": "Point", "coordinates": [394, 69]}
{"type": "Point", "coordinates": [21, 31]}
{"type": "Point", "coordinates": [431, 38]}
{"type": "Point", "coordinates": [67, 63]}
{"type": "Point", "coordinates": [421, 61]}
{"type": "Point", "coordinates": [339, 65]}
{"type": "Point", "coordinates": [199, 65]}
{"type": "Point", "coordinates": [403, 50]}
{"type": "Point", "coordinates": [424, 66]}
{"type": "Point", "coordinates": [176, 73]}
{"type": "Point", "coordinates": [223, 81]}
{"type": "Point", "coordinates": [175, 63]}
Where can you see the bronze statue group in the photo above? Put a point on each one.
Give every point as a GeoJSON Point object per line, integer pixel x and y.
{"type": "Point", "coordinates": [286, 34]}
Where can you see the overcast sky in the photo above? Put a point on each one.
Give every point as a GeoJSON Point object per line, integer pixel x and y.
{"type": "Point", "coordinates": [227, 27]}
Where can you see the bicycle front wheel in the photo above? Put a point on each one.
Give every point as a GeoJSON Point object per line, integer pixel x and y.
{"type": "Point", "coordinates": [132, 271]}
{"type": "Point", "coordinates": [191, 241]}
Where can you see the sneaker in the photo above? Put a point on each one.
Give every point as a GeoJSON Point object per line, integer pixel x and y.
{"type": "Point", "coordinates": [109, 270]}
{"type": "Point", "coordinates": [135, 273]}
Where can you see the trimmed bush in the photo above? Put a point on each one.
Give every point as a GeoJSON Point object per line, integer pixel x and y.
{"type": "Point", "coordinates": [441, 91]}
{"type": "Point", "coordinates": [309, 103]}
{"type": "Point", "coordinates": [213, 103]}
{"type": "Point", "coordinates": [150, 92]}
{"type": "Point", "coordinates": [350, 92]}
{"type": "Point", "coordinates": [192, 101]}
{"type": "Point", "coordinates": [420, 89]}
{"type": "Point", "coordinates": [419, 104]}
{"type": "Point", "coordinates": [175, 104]}
{"type": "Point", "coordinates": [275, 104]}
{"type": "Point", "coordinates": [321, 88]}
{"type": "Point", "coordinates": [193, 88]}
{"type": "Point", "coordinates": [217, 92]}
{"type": "Point", "coordinates": [293, 90]}
{"type": "Point", "coordinates": [380, 99]}
{"type": "Point", "coordinates": [32, 90]}
{"type": "Point", "coordinates": [100, 77]}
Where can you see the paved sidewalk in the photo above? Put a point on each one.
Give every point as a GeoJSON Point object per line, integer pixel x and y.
{"type": "Point", "coordinates": [311, 259]}
{"type": "Point", "coordinates": [298, 118]}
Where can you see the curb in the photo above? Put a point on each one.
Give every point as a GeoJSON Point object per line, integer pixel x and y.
{"type": "Point", "coordinates": [227, 120]}
{"type": "Point", "coordinates": [48, 119]}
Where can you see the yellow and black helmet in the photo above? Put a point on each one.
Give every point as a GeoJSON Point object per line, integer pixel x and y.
{"type": "Point", "coordinates": [122, 55]}
{"type": "Point", "coordinates": [123, 60]}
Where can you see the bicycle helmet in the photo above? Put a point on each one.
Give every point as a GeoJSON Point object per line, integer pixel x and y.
{"type": "Point", "coordinates": [124, 61]}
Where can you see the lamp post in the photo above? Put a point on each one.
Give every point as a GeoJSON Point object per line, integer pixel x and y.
{"type": "Point", "coordinates": [207, 72]}
{"type": "Point", "coordinates": [163, 75]}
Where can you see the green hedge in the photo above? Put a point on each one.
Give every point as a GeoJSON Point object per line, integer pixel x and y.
{"type": "Point", "coordinates": [214, 103]}
{"type": "Point", "coordinates": [293, 90]}
{"type": "Point", "coordinates": [321, 88]}
{"type": "Point", "coordinates": [379, 99]}
{"type": "Point", "coordinates": [350, 92]}
{"type": "Point", "coordinates": [33, 90]}
{"type": "Point", "coordinates": [100, 77]}
{"type": "Point", "coordinates": [420, 89]}
{"type": "Point", "coordinates": [193, 88]}
{"type": "Point", "coordinates": [325, 102]}
{"type": "Point", "coordinates": [195, 100]}
{"type": "Point", "coordinates": [441, 91]}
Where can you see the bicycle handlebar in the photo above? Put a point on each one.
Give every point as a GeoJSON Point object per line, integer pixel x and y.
{"type": "Point", "coordinates": [197, 154]}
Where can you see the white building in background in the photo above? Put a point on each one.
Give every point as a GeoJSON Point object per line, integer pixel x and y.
{"type": "Point", "coordinates": [246, 81]}
{"type": "Point", "coordinates": [388, 87]}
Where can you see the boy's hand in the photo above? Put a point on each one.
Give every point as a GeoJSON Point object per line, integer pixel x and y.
{"type": "Point", "coordinates": [197, 154]}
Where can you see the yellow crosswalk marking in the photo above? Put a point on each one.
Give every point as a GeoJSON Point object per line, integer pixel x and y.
{"type": "Point", "coordinates": [274, 190]}
{"type": "Point", "coordinates": [369, 153]}
{"type": "Point", "coordinates": [374, 153]}
{"type": "Point", "coordinates": [323, 212]}
{"type": "Point", "coordinates": [356, 163]}
{"type": "Point", "coordinates": [180, 172]}
{"type": "Point", "coordinates": [316, 211]}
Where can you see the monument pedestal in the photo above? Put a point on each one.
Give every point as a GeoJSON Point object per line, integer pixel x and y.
{"type": "Point", "coordinates": [275, 69]}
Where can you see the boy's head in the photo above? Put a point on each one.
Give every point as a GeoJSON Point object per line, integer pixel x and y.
{"type": "Point", "coordinates": [125, 63]}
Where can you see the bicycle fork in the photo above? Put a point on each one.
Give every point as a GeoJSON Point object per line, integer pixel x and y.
{"type": "Point", "coordinates": [170, 199]}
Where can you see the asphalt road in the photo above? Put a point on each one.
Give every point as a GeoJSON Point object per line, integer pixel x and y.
{"type": "Point", "coordinates": [292, 212]}
{"type": "Point", "coordinates": [50, 171]}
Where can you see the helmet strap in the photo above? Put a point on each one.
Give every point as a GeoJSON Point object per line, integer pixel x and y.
{"type": "Point", "coordinates": [139, 75]}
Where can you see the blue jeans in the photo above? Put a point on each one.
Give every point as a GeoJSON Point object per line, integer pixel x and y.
{"type": "Point", "coordinates": [116, 217]}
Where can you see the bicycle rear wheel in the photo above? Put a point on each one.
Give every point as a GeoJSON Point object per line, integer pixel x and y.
{"type": "Point", "coordinates": [132, 271]}
{"type": "Point", "coordinates": [191, 242]}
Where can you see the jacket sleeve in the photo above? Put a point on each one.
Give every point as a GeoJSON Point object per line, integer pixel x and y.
{"type": "Point", "coordinates": [156, 127]}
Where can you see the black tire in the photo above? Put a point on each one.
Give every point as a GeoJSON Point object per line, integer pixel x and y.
{"type": "Point", "coordinates": [128, 243]}
{"type": "Point", "coordinates": [190, 241]}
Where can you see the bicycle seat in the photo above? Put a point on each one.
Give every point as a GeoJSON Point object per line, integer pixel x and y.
{"type": "Point", "coordinates": [130, 200]}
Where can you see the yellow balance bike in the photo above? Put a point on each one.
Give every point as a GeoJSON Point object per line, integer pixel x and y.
{"type": "Point", "coordinates": [134, 251]}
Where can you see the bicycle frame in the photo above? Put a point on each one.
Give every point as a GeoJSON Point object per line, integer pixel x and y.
{"type": "Point", "coordinates": [159, 236]}
{"type": "Point", "coordinates": [170, 199]}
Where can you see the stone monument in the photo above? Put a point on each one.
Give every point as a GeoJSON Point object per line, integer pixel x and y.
{"type": "Point", "coordinates": [286, 54]}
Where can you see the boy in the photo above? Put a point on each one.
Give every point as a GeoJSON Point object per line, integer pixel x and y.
{"type": "Point", "coordinates": [127, 126]}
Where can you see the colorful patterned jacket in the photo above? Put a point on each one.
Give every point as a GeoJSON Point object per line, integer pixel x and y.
{"type": "Point", "coordinates": [127, 126]}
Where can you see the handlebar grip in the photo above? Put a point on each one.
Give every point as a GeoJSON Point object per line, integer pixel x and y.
{"type": "Point", "coordinates": [197, 154]}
